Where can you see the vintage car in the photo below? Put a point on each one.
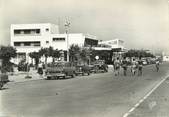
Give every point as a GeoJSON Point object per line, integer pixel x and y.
{"type": "Point", "coordinates": [23, 66]}
{"type": "Point", "coordinates": [60, 70]}
{"type": "Point", "coordinates": [3, 79]}
{"type": "Point", "coordinates": [100, 66]}
{"type": "Point", "coordinates": [82, 69]}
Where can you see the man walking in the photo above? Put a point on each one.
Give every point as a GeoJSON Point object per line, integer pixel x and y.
{"type": "Point", "coordinates": [124, 65]}
{"type": "Point", "coordinates": [157, 65]}
{"type": "Point", "coordinates": [117, 66]}
{"type": "Point", "coordinates": [133, 66]}
{"type": "Point", "coordinates": [140, 67]}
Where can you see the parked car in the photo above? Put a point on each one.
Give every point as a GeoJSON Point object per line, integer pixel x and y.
{"type": "Point", "coordinates": [60, 70]}
{"type": "Point", "coordinates": [23, 66]}
{"type": "Point", "coordinates": [144, 62]}
{"type": "Point", "coordinates": [100, 66]}
{"type": "Point", "coordinates": [92, 69]}
{"type": "Point", "coordinates": [82, 69]}
{"type": "Point", "coordinates": [3, 79]}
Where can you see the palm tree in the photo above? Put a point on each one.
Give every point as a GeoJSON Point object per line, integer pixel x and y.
{"type": "Point", "coordinates": [56, 54]}
{"type": "Point", "coordinates": [36, 56]}
{"type": "Point", "coordinates": [6, 53]}
{"type": "Point", "coordinates": [74, 53]}
{"type": "Point", "coordinates": [85, 55]}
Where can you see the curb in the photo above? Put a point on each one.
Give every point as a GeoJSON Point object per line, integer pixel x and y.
{"type": "Point", "coordinates": [15, 82]}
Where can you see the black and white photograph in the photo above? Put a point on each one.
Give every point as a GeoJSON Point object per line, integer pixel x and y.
{"type": "Point", "coordinates": [84, 58]}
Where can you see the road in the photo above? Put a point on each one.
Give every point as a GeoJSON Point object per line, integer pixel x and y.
{"type": "Point", "coordinates": [156, 105]}
{"type": "Point", "coordinates": [97, 95]}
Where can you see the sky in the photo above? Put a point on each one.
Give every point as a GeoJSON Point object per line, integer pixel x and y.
{"type": "Point", "coordinates": [142, 24]}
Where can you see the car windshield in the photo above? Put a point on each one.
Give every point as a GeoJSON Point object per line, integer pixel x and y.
{"type": "Point", "coordinates": [58, 64]}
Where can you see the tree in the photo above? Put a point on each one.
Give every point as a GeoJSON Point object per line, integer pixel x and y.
{"type": "Point", "coordinates": [138, 53]}
{"type": "Point", "coordinates": [6, 53]}
{"type": "Point", "coordinates": [74, 52]}
{"type": "Point", "coordinates": [44, 51]}
{"type": "Point", "coordinates": [47, 52]}
{"type": "Point", "coordinates": [56, 54]}
{"type": "Point", "coordinates": [36, 56]}
{"type": "Point", "coordinates": [85, 54]}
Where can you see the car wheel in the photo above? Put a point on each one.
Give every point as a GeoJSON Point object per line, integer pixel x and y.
{"type": "Point", "coordinates": [48, 78]}
{"type": "Point", "coordinates": [1, 85]}
{"type": "Point", "coordinates": [82, 74]}
{"type": "Point", "coordinates": [55, 77]}
{"type": "Point", "coordinates": [73, 75]}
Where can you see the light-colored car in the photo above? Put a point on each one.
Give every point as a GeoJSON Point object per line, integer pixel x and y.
{"type": "Point", "coordinates": [144, 62]}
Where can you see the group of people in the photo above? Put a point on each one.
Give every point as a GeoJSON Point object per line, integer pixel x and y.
{"type": "Point", "coordinates": [136, 66]}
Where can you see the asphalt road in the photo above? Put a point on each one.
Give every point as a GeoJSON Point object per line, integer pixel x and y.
{"type": "Point", "coordinates": [97, 95]}
{"type": "Point", "coordinates": [156, 105]}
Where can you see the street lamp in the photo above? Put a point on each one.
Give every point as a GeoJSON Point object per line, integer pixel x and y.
{"type": "Point", "coordinates": [67, 25]}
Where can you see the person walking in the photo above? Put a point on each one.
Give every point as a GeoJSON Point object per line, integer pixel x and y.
{"type": "Point", "coordinates": [140, 67]}
{"type": "Point", "coordinates": [40, 68]}
{"type": "Point", "coordinates": [157, 65]}
{"type": "Point", "coordinates": [117, 66]}
{"type": "Point", "coordinates": [124, 65]}
{"type": "Point", "coordinates": [133, 66]}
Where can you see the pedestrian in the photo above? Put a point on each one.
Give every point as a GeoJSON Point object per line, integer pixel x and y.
{"type": "Point", "coordinates": [140, 67]}
{"type": "Point", "coordinates": [124, 65]}
{"type": "Point", "coordinates": [157, 65]}
{"type": "Point", "coordinates": [133, 66]}
{"type": "Point", "coordinates": [113, 63]}
{"type": "Point", "coordinates": [40, 68]}
{"type": "Point", "coordinates": [117, 66]}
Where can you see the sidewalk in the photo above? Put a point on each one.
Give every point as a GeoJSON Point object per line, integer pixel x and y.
{"type": "Point", "coordinates": [19, 76]}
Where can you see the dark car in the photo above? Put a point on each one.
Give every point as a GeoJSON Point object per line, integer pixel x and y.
{"type": "Point", "coordinates": [60, 70]}
{"type": "Point", "coordinates": [100, 66]}
{"type": "Point", "coordinates": [82, 69]}
{"type": "Point", "coordinates": [3, 79]}
{"type": "Point", "coordinates": [23, 66]}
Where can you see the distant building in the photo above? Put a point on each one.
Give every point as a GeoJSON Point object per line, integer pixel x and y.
{"type": "Point", "coordinates": [28, 38]}
{"type": "Point", "coordinates": [116, 45]}
{"type": "Point", "coordinates": [165, 56]}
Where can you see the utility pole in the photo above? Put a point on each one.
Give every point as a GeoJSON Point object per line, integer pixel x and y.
{"type": "Point", "coordinates": [67, 25]}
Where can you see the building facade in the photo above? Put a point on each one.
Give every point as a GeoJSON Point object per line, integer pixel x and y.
{"type": "Point", "coordinates": [28, 38]}
{"type": "Point", "coordinates": [114, 44]}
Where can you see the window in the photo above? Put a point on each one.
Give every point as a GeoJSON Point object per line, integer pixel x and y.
{"type": "Point", "coordinates": [17, 44]}
{"type": "Point", "coordinates": [47, 42]}
{"type": "Point", "coordinates": [36, 43]}
{"type": "Point", "coordinates": [16, 31]}
{"type": "Point", "coordinates": [29, 43]}
{"type": "Point", "coordinates": [47, 29]}
{"type": "Point", "coordinates": [26, 31]}
{"type": "Point", "coordinates": [58, 39]}
{"type": "Point", "coordinates": [90, 42]}
{"type": "Point", "coordinates": [22, 32]}
{"type": "Point", "coordinates": [37, 31]}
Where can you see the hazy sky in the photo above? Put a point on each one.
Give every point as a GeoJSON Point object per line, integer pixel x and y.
{"type": "Point", "coordinates": [140, 23]}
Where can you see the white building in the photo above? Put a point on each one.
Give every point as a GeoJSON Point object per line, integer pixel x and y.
{"type": "Point", "coordinates": [114, 44]}
{"type": "Point", "coordinates": [59, 41]}
{"type": "Point", "coordinates": [28, 38]}
{"type": "Point", "coordinates": [165, 56]}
